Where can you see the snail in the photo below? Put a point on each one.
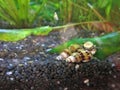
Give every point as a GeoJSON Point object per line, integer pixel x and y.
{"type": "Point", "coordinates": [80, 56]}
{"type": "Point", "coordinates": [78, 53]}
{"type": "Point", "coordinates": [67, 52]}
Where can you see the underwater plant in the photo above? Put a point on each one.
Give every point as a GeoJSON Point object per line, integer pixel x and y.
{"type": "Point", "coordinates": [19, 13]}
{"type": "Point", "coordinates": [106, 44]}
{"type": "Point", "coordinates": [15, 34]}
{"type": "Point", "coordinates": [19, 34]}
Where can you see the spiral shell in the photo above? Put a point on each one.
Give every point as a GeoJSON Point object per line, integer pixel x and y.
{"type": "Point", "coordinates": [80, 56]}
{"type": "Point", "coordinates": [67, 52]}
{"type": "Point", "coordinates": [90, 47]}
{"type": "Point", "coordinates": [78, 53]}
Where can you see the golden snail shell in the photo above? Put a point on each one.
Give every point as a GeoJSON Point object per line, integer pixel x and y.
{"type": "Point", "coordinates": [88, 45]}
{"type": "Point", "coordinates": [67, 52]}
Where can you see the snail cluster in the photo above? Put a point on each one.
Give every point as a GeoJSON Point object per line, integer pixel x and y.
{"type": "Point", "coordinates": [78, 53]}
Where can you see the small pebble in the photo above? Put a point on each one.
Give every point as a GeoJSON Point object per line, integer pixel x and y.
{"type": "Point", "coordinates": [86, 82]}
{"type": "Point", "coordinates": [58, 82]}
{"type": "Point", "coordinates": [42, 53]}
{"type": "Point", "coordinates": [113, 85]}
{"type": "Point", "coordinates": [11, 79]}
{"type": "Point", "coordinates": [52, 45]}
{"type": "Point", "coordinates": [10, 66]}
{"type": "Point", "coordinates": [43, 45]}
{"type": "Point", "coordinates": [77, 67]}
{"type": "Point", "coordinates": [25, 63]}
{"type": "Point", "coordinates": [36, 60]}
{"type": "Point", "coordinates": [9, 73]}
{"type": "Point", "coordinates": [16, 61]}
{"type": "Point", "coordinates": [32, 88]}
{"type": "Point", "coordinates": [47, 50]}
{"type": "Point", "coordinates": [65, 88]}
{"type": "Point", "coordinates": [1, 59]}
{"type": "Point", "coordinates": [20, 47]}
{"type": "Point", "coordinates": [113, 65]}
{"type": "Point", "coordinates": [26, 58]}
{"type": "Point", "coordinates": [114, 76]}
{"type": "Point", "coordinates": [16, 89]}
{"type": "Point", "coordinates": [20, 65]}
{"type": "Point", "coordinates": [5, 45]}
{"type": "Point", "coordinates": [30, 62]}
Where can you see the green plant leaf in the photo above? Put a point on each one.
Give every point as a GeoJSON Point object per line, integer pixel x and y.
{"type": "Point", "coordinates": [37, 12]}
{"type": "Point", "coordinates": [107, 10]}
{"type": "Point", "coordinates": [102, 3]}
{"type": "Point", "coordinates": [18, 12]}
{"type": "Point", "coordinates": [19, 34]}
{"type": "Point", "coordinates": [107, 44]}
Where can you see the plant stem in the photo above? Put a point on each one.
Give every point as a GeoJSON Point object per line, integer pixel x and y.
{"type": "Point", "coordinates": [96, 12]}
{"type": "Point", "coordinates": [81, 23]}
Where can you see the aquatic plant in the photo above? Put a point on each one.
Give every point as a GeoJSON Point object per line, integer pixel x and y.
{"type": "Point", "coordinates": [106, 44]}
{"type": "Point", "coordinates": [73, 11]}
{"type": "Point", "coordinates": [15, 34]}
{"type": "Point", "coordinates": [19, 34]}
{"type": "Point", "coordinates": [19, 13]}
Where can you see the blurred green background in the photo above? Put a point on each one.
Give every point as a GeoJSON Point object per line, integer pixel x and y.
{"type": "Point", "coordinates": [32, 13]}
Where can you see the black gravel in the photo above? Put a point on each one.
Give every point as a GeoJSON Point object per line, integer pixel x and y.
{"type": "Point", "coordinates": [27, 65]}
